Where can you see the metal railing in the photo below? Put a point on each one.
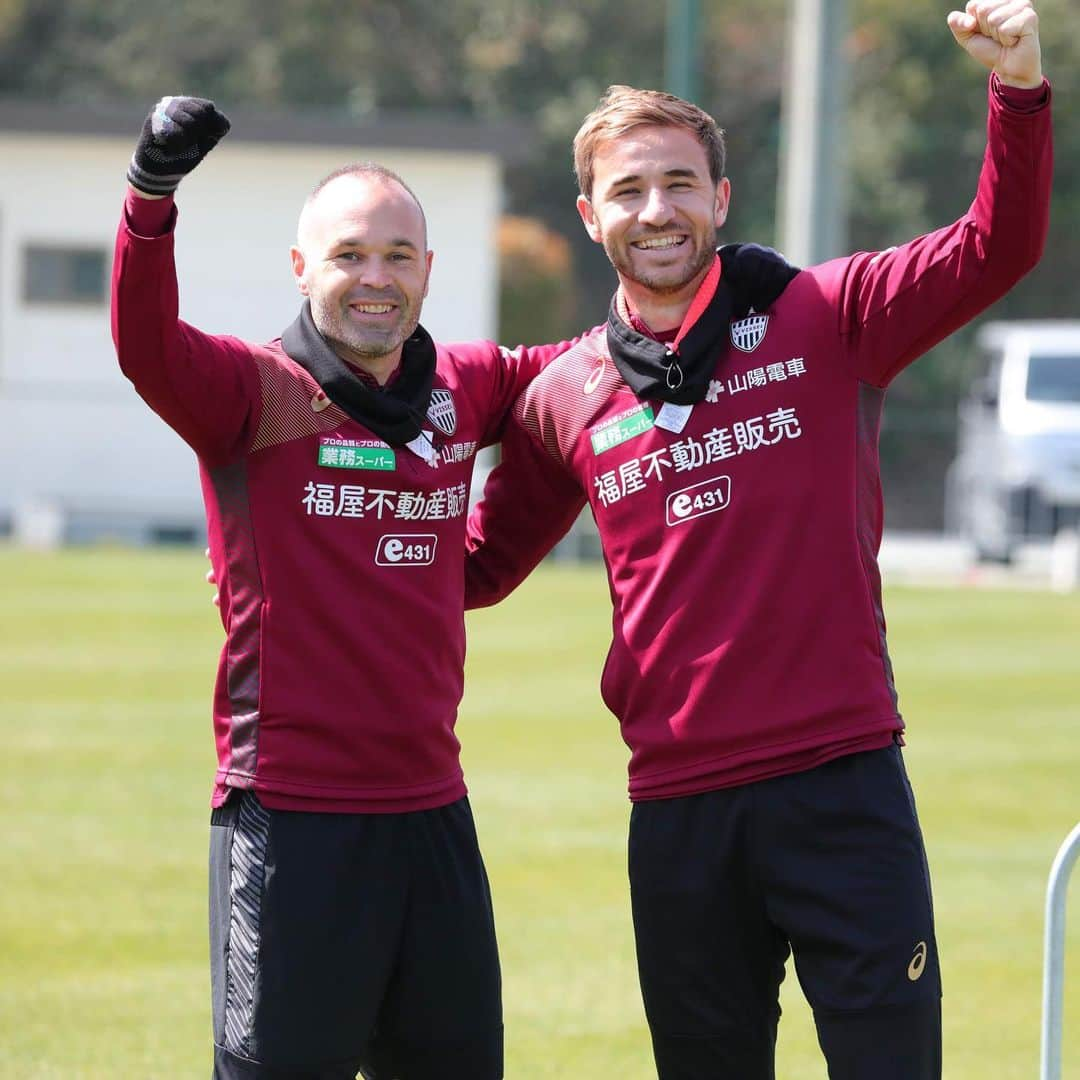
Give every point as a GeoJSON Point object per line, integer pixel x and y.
{"type": "Point", "coordinates": [1054, 956]}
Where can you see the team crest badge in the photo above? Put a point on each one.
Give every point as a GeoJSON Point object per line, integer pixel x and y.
{"type": "Point", "coordinates": [747, 334]}
{"type": "Point", "coordinates": [441, 412]}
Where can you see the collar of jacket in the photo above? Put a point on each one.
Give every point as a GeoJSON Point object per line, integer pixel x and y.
{"type": "Point", "coordinates": [395, 412]}
{"type": "Point", "coordinates": [751, 277]}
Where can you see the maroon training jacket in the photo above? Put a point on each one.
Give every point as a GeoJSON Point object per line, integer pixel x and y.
{"type": "Point", "coordinates": [748, 631]}
{"type": "Point", "coordinates": [339, 559]}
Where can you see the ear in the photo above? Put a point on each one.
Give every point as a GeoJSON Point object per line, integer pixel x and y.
{"type": "Point", "coordinates": [298, 267]}
{"type": "Point", "coordinates": [588, 218]}
{"type": "Point", "coordinates": [723, 201]}
{"type": "Point", "coordinates": [429, 259]}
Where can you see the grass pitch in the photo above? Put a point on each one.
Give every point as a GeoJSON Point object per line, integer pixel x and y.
{"type": "Point", "coordinates": [105, 674]}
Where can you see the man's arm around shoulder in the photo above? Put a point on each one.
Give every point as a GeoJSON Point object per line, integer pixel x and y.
{"type": "Point", "coordinates": [529, 504]}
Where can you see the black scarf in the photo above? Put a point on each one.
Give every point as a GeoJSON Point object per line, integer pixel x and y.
{"type": "Point", "coordinates": [396, 412]}
{"type": "Point", "coordinates": [752, 277]}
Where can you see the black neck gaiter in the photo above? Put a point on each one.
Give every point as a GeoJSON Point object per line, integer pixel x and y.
{"type": "Point", "coordinates": [752, 277]}
{"type": "Point", "coordinates": [396, 412]}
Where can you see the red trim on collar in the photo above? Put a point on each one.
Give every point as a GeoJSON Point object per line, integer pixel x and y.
{"type": "Point", "coordinates": [702, 299]}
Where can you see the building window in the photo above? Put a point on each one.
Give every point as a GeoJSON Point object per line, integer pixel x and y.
{"type": "Point", "coordinates": [63, 275]}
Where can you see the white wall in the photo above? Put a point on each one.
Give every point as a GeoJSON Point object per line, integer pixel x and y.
{"type": "Point", "coordinates": [71, 428]}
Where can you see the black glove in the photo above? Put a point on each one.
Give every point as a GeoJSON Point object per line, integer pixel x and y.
{"type": "Point", "coordinates": [756, 276]}
{"type": "Point", "coordinates": [177, 135]}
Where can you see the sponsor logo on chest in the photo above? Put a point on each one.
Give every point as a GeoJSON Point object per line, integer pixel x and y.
{"type": "Point", "coordinates": [698, 448]}
{"type": "Point", "coordinates": [406, 549]}
{"type": "Point", "coordinates": [699, 499]}
{"type": "Point", "coordinates": [452, 453]}
{"type": "Point", "coordinates": [753, 378]}
{"type": "Point", "coordinates": [619, 429]}
{"type": "Point", "coordinates": [335, 453]}
{"type": "Point", "coordinates": [326, 500]}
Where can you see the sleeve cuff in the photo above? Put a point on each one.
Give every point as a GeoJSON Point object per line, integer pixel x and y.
{"type": "Point", "coordinates": [1019, 99]}
{"type": "Point", "coordinates": [149, 217]}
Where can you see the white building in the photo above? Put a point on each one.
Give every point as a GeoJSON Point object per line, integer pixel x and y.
{"type": "Point", "coordinates": [81, 456]}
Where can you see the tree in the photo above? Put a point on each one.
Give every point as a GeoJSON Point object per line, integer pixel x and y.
{"type": "Point", "coordinates": [915, 114]}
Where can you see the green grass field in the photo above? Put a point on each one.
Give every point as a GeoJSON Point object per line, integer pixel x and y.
{"type": "Point", "coordinates": [105, 674]}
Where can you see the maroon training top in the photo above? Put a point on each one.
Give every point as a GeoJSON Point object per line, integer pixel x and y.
{"type": "Point", "coordinates": [741, 535]}
{"type": "Point", "coordinates": [339, 558]}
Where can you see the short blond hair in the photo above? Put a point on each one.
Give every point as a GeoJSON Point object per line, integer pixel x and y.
{"type": "Point", "coordinates": [623, 108]}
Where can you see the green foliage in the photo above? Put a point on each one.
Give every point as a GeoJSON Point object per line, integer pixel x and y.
{"type": "Point", "coordinates": [916, 106]}
{"type": "Point", "coordinates": [536, 300]}
{"type": "Point", "coordinates": [105, 682]}
{"type": "Point", "coordinates": [916, 133]}
{"type": "Point", "coordinates": [915, 124]}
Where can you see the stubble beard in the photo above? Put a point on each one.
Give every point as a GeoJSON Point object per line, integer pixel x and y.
{"type": "Point", "coordinates": [660, 282]}
{"type": "Point", "coordinates": [332, 321]}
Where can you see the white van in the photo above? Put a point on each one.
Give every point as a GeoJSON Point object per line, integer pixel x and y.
{"type": "Point", "coordinates": [1016, 475]}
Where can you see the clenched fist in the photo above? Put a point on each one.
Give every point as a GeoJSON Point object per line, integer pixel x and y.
{"type": "Point", "coordinates": [177, 135]}
{"type": "Point", "coordinates": [1003, 35]}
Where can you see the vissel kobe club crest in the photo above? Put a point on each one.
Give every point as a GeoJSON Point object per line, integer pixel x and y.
{"type": "Point", "coordinates": [441, 412]}
{"type": "Point", "coordinates": [747, 334]}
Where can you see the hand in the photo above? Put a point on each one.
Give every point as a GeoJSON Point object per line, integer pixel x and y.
{"type": "Point", "coordinates": [1002, 35]}
{"type": "Point", "coordinates": [212, 580]}
{"type": "Point", "coordinates": [177, 135]}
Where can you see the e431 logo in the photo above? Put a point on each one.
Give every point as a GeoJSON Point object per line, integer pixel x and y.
{"type": "Point", "coordinates": [698, 499]}
{"type": "Point", "coordinates": [406, 549]}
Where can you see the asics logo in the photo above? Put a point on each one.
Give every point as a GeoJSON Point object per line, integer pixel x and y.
{"type": "Point", "coordinates": [918, 962]}
{"type": "Point", "coordinates": [593, 381]}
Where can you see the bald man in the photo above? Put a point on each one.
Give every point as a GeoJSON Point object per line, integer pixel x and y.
{"type": "Point", "coordinates": [351, 921]}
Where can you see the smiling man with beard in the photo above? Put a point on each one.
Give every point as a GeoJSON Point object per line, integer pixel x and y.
{"type": "Point", "coordinates": [656, 198]}
{"type": "Point", "coordinates": [727, 447]}
{"type": "Point", "coordinates": [342, 227]}
{"type": "Point", "coordinates": [351, 921]}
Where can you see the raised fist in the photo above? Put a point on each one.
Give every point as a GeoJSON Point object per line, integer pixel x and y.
{"type": "Point", "coordinates": [177, 135]}
{"type": "Point", "coordinates": [1003, 35]}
